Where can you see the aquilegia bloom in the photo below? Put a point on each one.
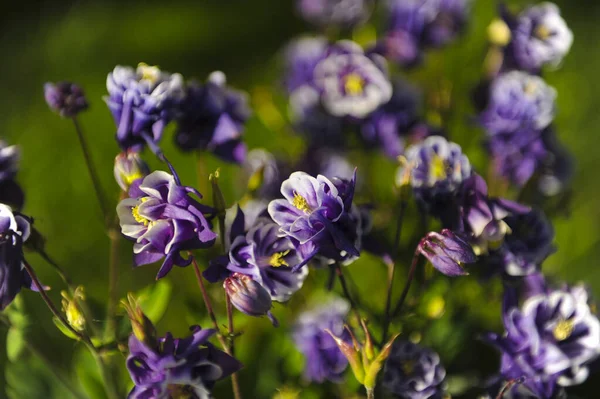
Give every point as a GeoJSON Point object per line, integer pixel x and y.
{"type": "Point", "coordinates": [540, 36]}
{"type": "Point", "coordinates": [413, 372]}
{"type": "Point", "coordinates": [315, 212]}
{"type": "Point", "coordinates": [549, 340]}
{"type": "Point", "coordinates": [163, 220]}
{"type": "Point", "coordinates": [324, 360]}
{"type": "Point", "coordinates": [142, 102]}
{"type": "Point", "coordinates": [65, 98]}
{"type": "Point", "coordinates": [342, 13]}
{"type": "Point", "coordinates": [212, 118]}
{"type": "Point", "coordinates": [14, 230]}
{"type": "Point", "coordinates": [177, 367]}
{"type": "Point", "coordinates": [9, 159]}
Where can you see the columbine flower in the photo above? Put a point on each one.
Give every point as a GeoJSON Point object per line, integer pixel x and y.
{"type": "Point", "coordinates": [324, 360]}
{"type": "Point", "coordinates": [9, 159]}
{"type": "Point", "coordinates": [386, 125]}
{"type": "Point", "coordinates": [248, 296]}
{"type": "Point", "coordinates": [264, 256]}
{"type": "Point", "coordinates": [213, 118]}
{"type": "Point", "coordinates": [129, 167]}
{"type": "Point", "coordinates": [518, 101]}
{"type": "Point", "coordinates": [315, 212]}
{"type": "Point", "coordinates": [65, 98]}
{"type": "Point", "coordinates": [527, 246]}
{"type": "Point", "coordinates": [346, 83]}
{"type": "Point", "coordinates": [142, 102]}
{"type": "Point", "coordinates": [301, 56]}
{"type": "Point", "coordinates": [261, 169]}
{"type": "Point", "coordinates": [163, 220]}
{"type": "Point", "coordinates": [342, 13]}
{"type": "Point", "coordinates": [436, 168]}
{"type": "Point", "coordinates": [540, 36]}
{"type": "Point", "coordinates": [177, 367]}
{"type": "Point", "coordinates": [447, 252]}
{"type": "Point", "coordinates": [14, 231]}
{"type": "Point", "coordinates": [413, 372]}
{"type": "Point", "coordinates": [549, 340]}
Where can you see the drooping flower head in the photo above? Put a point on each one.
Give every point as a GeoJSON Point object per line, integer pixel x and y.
{"type": "Point", "coordinates": [324, 360]}
{"type": "Point", "coordinates": [549, 340]}
{"type": "Point", "coordinates": [177, 367]}
{"type": "Point", "coordinates": [413, 372]}
{"type": "Point", "coordinates": [315, 212]}
{"type": "Point", "coordinates": [65, 98]}
{"type": "Point", "coordinates": [518, 102]}
{"type": "Point", "coordinates": [248, 296]}
{"type": "Point", "coordinates": [142, 101]}
{"type": "Point", "coordinates": [14, 231]}
{"type": "Point", "coordinates": [263, 255]}
{"type": "Point", "coordinates": [346, 83]}
{"type": "Point", "coordinates": [212, 118]}
{"type": "Point", "coordinates": [540, 36]}
{"type": "Point", "coordinates": [436, 168]}
{"type": "Point", "coordinates": [163, 220]}
{"type": "Point", "coordinates": [129, 167]}
{"type": "Point", "coordinates": [341, 13]}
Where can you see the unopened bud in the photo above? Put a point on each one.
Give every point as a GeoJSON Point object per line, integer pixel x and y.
{"type": "Point", "coordinates": [248, 296]}
{"type": "Point", "coordinates": [129, 167]}
{"type": "Point", "coordinates": [447, 252]}
{"type": "Point", "coordinates": [72, 309]}
{"type": "Point", "coordinates": [142, 327]}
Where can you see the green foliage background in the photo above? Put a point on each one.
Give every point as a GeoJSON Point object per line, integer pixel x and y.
{"type": "Point", "coordinates": [82, 41]}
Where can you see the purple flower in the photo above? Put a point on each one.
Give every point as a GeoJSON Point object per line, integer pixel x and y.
{"type": "Point", "coordinates": [65, 98]}
{"type": "Point", "coordinates": [163, 220]}
{"type": "Point", "coordinates": [484, 218]}
{"type": "Point", "coordinates": [413, 372]}
{"type": "Point", "coordinates": [390, 122]}
{"type": "Point", "coordinates": [315, 212]}
{"type": "Point", "coordinates": [529, 243]}
{"type": "Point", "coordinates": [324, 360]}
{"type": "Point", "coordinates": [435, 169]}
{"type": "Point", "coordinates": [248, 296]}
{"type": "Point", "coordinates": [518, 102]}
{"type": "Point", "coordinates": [549, 340]}
{"type": "Point", "coordinates": [213, 118]}
{"type": "Point", "coordinates": [447, 252]}
{"type": "Point", "coordinates": [261, 254]}
{"type": "Point", "coordinates": [342, 13]}
{"type": "Point", "coordinates": [540, 36]}
{"type": "Point", "coordinates": [9, 159]}
{"type": "Point", "coordinates": [517, 156]}
{"type": "Point", "coordinates": [129, 167]}
{"type": "Point", "coordinates": [301, 56]}
{"type": "Point", "coordinates": [345, 83]}
{"type": "Point", "coordinates": [14, 231]}
{"type": "Point", "coordinates": [177, 367]}
{"type": "Point", "coordinates": [142, 102]}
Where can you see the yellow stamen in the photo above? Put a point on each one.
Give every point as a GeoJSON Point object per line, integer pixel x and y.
{"type": "Point", "coordinates": [408, 367]}
{"type": "Point", "coordinates": [135, 212]}
{"type": "Point", "coordinates": [563, 330]}
{"type": "Point", "coordinates": [150, 73]}
{"type": "Point", "coordinates": [301, 203]}
{"type": "Point", "coordinates": [354, 84]}
{"type": "Point", "coordinates": [277, 260]}
{"type": "Point", "coordinates": [542, 32]}
{"type": "Point", "coordinates": [437, 168]}
{"type": "Point", "coordinates": [129, 179]}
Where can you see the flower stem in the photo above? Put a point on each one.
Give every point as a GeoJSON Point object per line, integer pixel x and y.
{"type": "Point", "coordinates": [340, 274]}
{"type": "Point", "coordinates": [92, 170]}
{"type": "Point", "coordinates": [411, 274]}
{"type": "Point", "coordinates": [509, 385]}
{"type": "Point", "coordinates": [235, 383]}
{"type": "Point", "coordinates": [394, 254]}
{"type": "Point", "coordinates": [213, 318]}
{"type": "Point", "coordinates": [370, 393]}
{"type": "Point", "coordinates": [113, 279]}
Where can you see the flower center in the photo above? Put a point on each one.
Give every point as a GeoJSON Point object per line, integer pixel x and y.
{"type": "Point", "coordinates": [180, 392]}
{"type": "Point", "coordinates": [129, 179]}
{"type": "Point", "coordinates": [408, 367]}
{"type": "Point", "coordinates": [277, 259]}
{"type": "Point", "coordinates": [301, 203]}
{"type": "Point", "coordinates": [149, 73]}
{"type": "Point", "coordinates": [135, 212]}
{"type": "Point", "coordinates": [542, 32]}
{"type": "Point", "coordinates": [437, 168]}
{"type": "Point", "coordinates": [563, 330]}
{"type": "Point", "coordinates": [354, 84]}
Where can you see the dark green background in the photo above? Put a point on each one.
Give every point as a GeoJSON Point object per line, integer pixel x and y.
{"type": "Point", "coordinates": [83, 41]}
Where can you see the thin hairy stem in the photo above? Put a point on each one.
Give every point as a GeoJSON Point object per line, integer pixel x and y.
{"type": "Point", "coordinates": [235, 383]}
{"type": "Point", "coordinates": [340, 274]}
{"type": "Point", "coordinates": [113, 279]}
{"type": "Point", "coordinates": [411, 275]}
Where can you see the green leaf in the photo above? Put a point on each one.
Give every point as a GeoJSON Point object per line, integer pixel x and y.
{"type": "Point", "coordinates": [64, 329]}
{"type": "Point", "coordinates": [15, 343]}
{"type": "Point", "coordinates": [154, 299]}
{"type": "Point", "coordinates": [88, 374]}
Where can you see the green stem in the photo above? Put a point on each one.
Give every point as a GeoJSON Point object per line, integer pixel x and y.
{"type": "Point", "coordinates": [411, 275]}
{"type": "Point", "coordinates": [107, 376]}
{"type": "Point", "coordinates": [340, 274]}
{"type": "Point", "coordinates": [370, 393]}
{"type": "Point", "coordinates": [113, 279]}
{"type": "Point", "coordinates": [235, 383]}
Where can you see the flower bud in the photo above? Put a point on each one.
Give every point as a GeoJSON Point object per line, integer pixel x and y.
{"type": "Point", "coordinates": [447, 252]}
{"type": "Point", "coordinates": [72, 309]}
{"type": "Point", "coordinates": [128, 168]}
{"type": "Point", "coordinates": [142, 327]}
{"type": "Point", "coordinates": [248, 296]}
{"type": "Point", "coordinates": [65, 98]}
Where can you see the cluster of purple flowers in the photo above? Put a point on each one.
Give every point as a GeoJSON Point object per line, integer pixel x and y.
{"type": "Point", "coordinates": [519, 106]}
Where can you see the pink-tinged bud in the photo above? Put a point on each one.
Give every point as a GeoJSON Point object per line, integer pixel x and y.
{"type": "Point", "coordinates": [129, 167]}
{"type": "Point", "coordinates": [447, 251]}
{"type": "Point", "coordinates": [353, 354]}
{"type": "Point", "coordinates": [248, 296]}
{"type": "Point", "coordinates": [142, 327]}
{"type": "Point", "coordinates": [376, 365]}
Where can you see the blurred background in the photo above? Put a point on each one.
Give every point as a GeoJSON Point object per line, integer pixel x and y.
{"type": "Point", "coordinates": [82, 41]}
